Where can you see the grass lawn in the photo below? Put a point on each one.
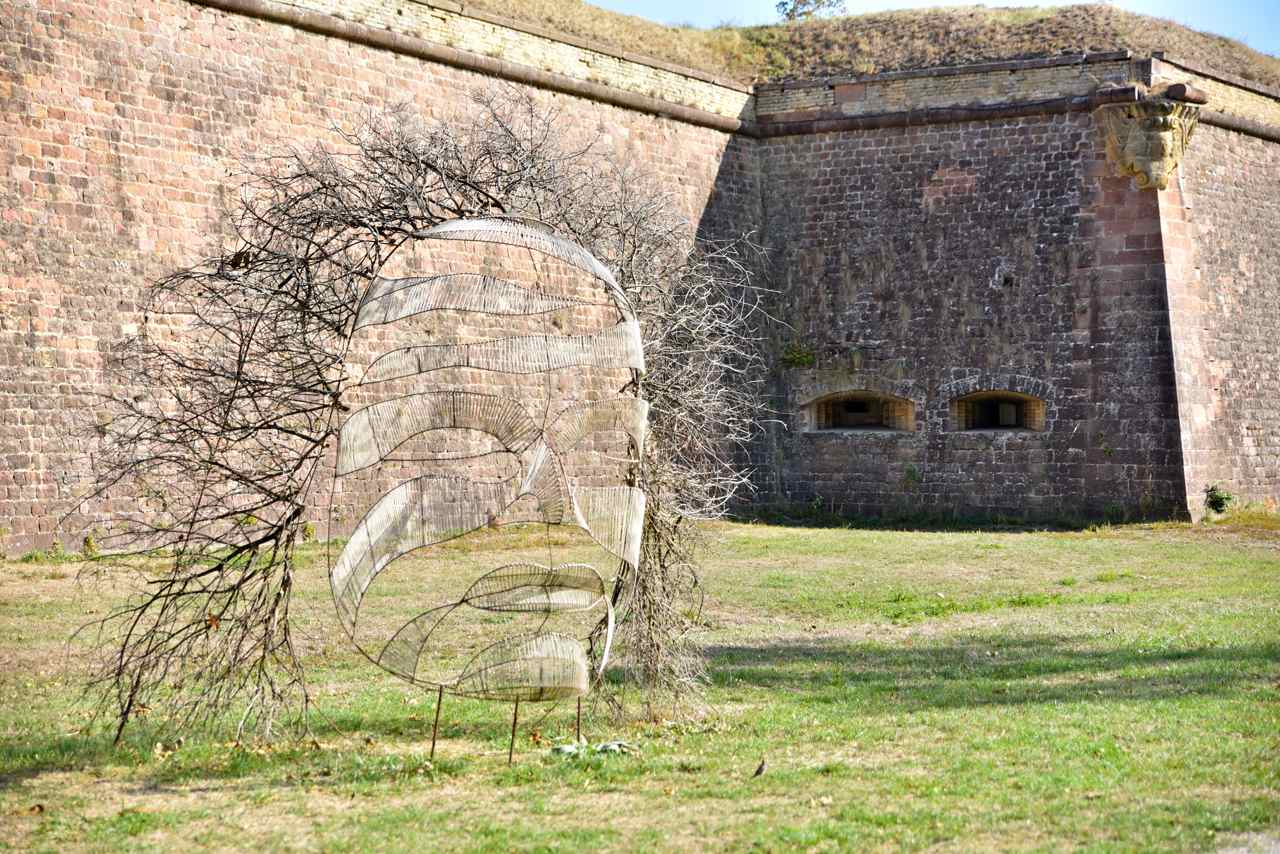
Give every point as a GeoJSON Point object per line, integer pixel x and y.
{"type": "Point", "coordinates": [1113, 689]}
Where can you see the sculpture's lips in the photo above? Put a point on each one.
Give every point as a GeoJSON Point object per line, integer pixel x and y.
{"type": "Point", "coordinates": [537, 668]}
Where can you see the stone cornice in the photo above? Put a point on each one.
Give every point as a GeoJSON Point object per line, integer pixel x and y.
{"type": "Point", "coordinates": [1248, 127]}
{"type": "Point", "coordinates": [952, 70]}
{"type": "Point", "coordinates": [1238, 82]}
{"type": "Point", "coordinates": [830, 123]}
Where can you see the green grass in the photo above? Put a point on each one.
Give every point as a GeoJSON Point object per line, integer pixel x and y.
{"type": "Point", "coordinates": [1115, 689]}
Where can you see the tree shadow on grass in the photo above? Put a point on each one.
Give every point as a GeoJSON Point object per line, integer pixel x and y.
{"type": "Point", "coordinates": [972, 671]}
{"type": "Point", "coordinates": [211, 756]}
{"type": "Point", "coordinates": [986, 671]}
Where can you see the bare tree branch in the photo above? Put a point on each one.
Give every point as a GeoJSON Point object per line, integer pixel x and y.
{"type": "Point", "coordinates": [226, 399]}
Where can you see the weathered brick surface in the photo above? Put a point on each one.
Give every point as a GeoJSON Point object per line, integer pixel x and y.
{"type": "Point", "coordinates": [593, 63]}
{"type": "Point", "coordinates": [934, 262]}
{"type": "Point", "coordinates": [912, 90]}
{"type": "Point", "coordinates": [1222, 246]}
{"type": "Point", "coordinates": [121, 121]}
{"type": "Point", "coordinates": [925, 262]}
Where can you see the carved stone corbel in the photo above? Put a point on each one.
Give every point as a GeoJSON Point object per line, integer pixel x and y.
{"type": "Point", "coordinates": [1146, 139]}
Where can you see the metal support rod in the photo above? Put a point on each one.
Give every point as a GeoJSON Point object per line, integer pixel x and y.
{"type": "Point", "coordinates": [579, 723]}
{"type": "Point", "coordinates": [435, 727]}
{"type": "Point", "coordinates": [515, 716]}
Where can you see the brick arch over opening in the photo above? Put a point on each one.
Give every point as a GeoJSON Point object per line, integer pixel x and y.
{"type": "Point", "coordinates": [1041, 394]}
{"type": "Point", "coordinates": [997, 381]}
{"type": "Point", "coordinates": [810, 389]}
{"type": "Point", "coordinates": [815, 390]}
{"type": "Point", "coordinates": [891, 412]}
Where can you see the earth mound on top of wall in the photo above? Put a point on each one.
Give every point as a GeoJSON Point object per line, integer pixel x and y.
{"type": "Point", "coordinates": [891, 41]}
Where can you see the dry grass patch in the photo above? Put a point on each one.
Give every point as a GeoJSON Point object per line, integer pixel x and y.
{"type": "Point", "coordinates": [890, 41]}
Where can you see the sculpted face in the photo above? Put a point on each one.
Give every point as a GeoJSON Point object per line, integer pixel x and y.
{"type": "Point", "coordinates": [1146, 139]}
{"type": "Point", "coordinates": [484, 429]}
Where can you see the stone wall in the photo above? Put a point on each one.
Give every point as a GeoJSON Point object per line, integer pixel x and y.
{"type": "Point", "coordinates": [122, 120]}
{"type": "Point", "coordinates": [441, 22]}
{"type": "Point", "coordinates": [1224, 227]}
{"type": "Point", "coordinates": [929, 263]}
{"type": "Point", "coordinates": [972, 85]}
{"type": "Point", "coordinates": [934, 234]}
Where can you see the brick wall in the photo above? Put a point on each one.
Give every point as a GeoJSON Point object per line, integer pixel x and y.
{"type": "Point", "coordinates": [987, 83]}
{"type": "Point", "coordinates": [924, 263]}
{"type": "Point", "coordinates": [1223, 248]}
{"type": "Point", "coordinates": [122, 120]}
{"type": "Point", "coordinates": [929, 263]}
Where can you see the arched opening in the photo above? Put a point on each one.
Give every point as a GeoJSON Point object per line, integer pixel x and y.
{"type": "Point", "coordinates": [862, 410]}
{"type": "Point", "coordinates": [997, 410]}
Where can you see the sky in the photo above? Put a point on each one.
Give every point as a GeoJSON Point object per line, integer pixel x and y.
{"type": "Point", "coordinates": [1254, 22]}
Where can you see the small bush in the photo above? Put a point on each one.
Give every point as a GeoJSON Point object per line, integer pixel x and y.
{"type": "Point", "coordinates": [796, 356]}
{"type": "Point", "coordinates": [1217, 499]}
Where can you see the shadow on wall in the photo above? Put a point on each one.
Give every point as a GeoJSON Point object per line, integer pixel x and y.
{"type": "Point", "coordinates": [816, 515]}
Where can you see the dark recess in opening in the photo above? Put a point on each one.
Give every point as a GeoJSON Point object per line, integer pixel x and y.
{"type": "Point", "coordinates": [997, 410]}
{"type": "Point", "coordinates": [863, 410]}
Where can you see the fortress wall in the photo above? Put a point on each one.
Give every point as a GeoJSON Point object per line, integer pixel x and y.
{"type": "Point", "coordinates": [442, 23]}
{"type": "Point", "coordinates": [1224, 220]}
{"type": "Point", "coordinates": [121, 121]}
{"type": "Point", "coordinates": [929, 262]}
{"type": "Point", "coordinates": [933, 233]}
{"type": "Point", "coordinates": [1228, 95]}
{"type": "Point", "coordinates": [970, 85]}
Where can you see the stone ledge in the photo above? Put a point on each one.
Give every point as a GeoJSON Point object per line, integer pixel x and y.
{"type": "Point", "coordinates": [396, 42]}
{"type": "Point", "coordinates": [1238, 82]}
{"type": "Point", "coordinates": [586, 44]}
{"type": "Point", "coordinates": [828, 122]}
{"type": "Point", "coordinates": [952, 70]}
{"type": "Point", "coordinates": [1239, 124]}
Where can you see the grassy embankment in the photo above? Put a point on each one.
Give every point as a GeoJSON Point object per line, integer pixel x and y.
{"type": "Point", "coordinates": [891, 41]}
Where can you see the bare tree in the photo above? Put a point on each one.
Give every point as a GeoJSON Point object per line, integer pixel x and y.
{"type": "Point", "coordinates": [801, 10]}
{"type": "Point", "coordinates": [227, 397]}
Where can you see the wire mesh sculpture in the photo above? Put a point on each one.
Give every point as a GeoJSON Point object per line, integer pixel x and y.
{"type": "Point", "coordinates": [422, 397]}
